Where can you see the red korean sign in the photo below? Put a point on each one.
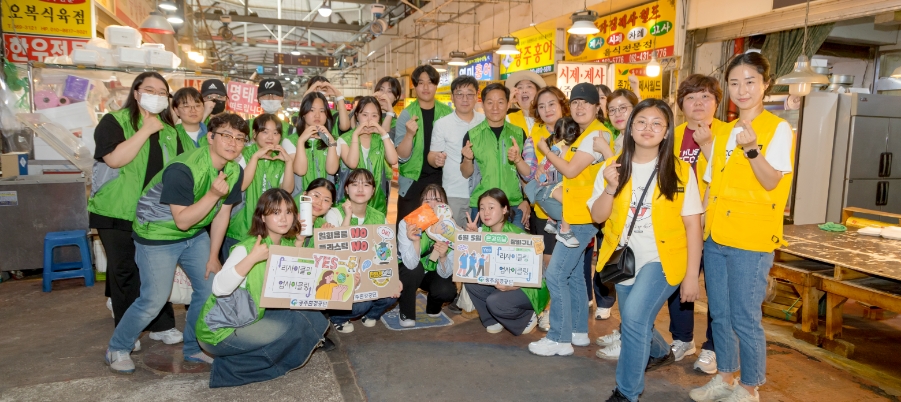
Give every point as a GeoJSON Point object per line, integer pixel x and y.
{"type": "Point", "coordinates": [242, 98]}
{"type": "Point", "coordinates": [25, 48]}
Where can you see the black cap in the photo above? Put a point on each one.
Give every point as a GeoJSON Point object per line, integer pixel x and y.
{"type": "Point", "coordinates": [270, 86]}
{"type": "Point", "coordinates": [212, 87]}
{"type": "Point", "coordinates": [586, 92]}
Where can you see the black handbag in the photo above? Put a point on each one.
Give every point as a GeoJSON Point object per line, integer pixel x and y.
{"type": "Point", "coordinates": [621, 265]}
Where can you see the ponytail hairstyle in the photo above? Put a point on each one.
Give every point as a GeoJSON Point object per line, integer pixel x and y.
{"type": "Point", "coordinates": [667, 178]}
{"type": "Point", "coordinates": [565, 129]}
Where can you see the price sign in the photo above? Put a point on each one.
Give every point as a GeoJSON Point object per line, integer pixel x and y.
{"type": "Point", "coordinates": [536, 53]}
{"type": "Point", "coordinates": [498, 259]}
{"type": "Point", "coordinates": [628, 36]}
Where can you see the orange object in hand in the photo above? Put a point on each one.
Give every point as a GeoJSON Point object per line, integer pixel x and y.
{"type": "Point", "coordinates": [423, 217]}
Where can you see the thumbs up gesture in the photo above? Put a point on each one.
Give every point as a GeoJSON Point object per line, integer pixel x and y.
{"type": "Point", "coordinates": [514, 154]}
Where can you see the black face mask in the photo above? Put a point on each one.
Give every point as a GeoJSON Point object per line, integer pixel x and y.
{"type": "Point", "coordinates": [220, 106]}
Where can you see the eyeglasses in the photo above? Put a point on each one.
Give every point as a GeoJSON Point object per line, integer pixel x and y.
{"type": "Point", "coordinates": [656, 126]}
{"type": "Point", "coordinates": [578, 104]}
{"type": "Point", "coordinates": [230, 137]}
{"type": "Point", "coordinates": [618, 110]}
{"type": "Point", "coordinates": [318, 198]}
{"type": "Point", "coordinates": [215, 98]}
{"type": "Point", "coordinates": [151, 91]}
{"type": "Point", "coordinates": [465, 96]}
{"type": "Point", "coordinates": [193, 108]}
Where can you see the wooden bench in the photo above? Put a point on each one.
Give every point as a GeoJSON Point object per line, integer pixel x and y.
{"type": "Point", "coordinates": [800, 274]}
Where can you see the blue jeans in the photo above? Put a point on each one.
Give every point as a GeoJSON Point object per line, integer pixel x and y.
{"type": "Point", "coordinates": [541, 195]}
{"type": "Point", "coordinates": [156, 265]}
{"type": "Point", "coordinates": [515, 215]}
{"type": "Point", "coordinates": [638, 306]}
{"type": "Point", "coordinates": [372, 309]}
{"type": "Point", "coordinates": [279, 342]}
{"type": "Point", "coordinates": [736, 285]}
{"type": "Point", "coordinates": [566, 283]}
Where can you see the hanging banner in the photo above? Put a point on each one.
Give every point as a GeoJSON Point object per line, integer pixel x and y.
{"type": "Point", "coordinates": [498, 259]}
{"type": "Point", "coordinates": [242, 98]}
{"type": "Point", "coordinates": [536, 53]}
{"type": "Point", "coordinates": [25, 48]}
{"type": "Point", "coordinates": [71, 18]}
{"type": "Point", "coordinates": [649, 87]}
{"type": "Point", "coordinates": [628, 36]}
{"type": "Point", "coordinates": [481, 67]}
{"type": "Point", "coordinates": [373, 258]}
{"type": "Point", "coordinates": [570, 74]}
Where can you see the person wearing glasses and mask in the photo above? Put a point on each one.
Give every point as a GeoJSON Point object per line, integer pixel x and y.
{"type": "Point", "coordinates": [132, 145]}
{"type": "Point", "coordinates": [195, 190]}
{"type": "Point", "coordinates": [189, 108]}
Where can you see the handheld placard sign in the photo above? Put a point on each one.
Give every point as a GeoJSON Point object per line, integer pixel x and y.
{"type": "Point", "coordinates": [310, 279]}
{"type": "Point", "coordinates": [374, 251]}
{"type": "Point", "coordinates": [498, 258]}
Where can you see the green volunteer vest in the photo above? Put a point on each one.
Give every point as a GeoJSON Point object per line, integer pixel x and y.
{"type": "Point", "coordinates": [491, 155]}
{"type": "Point", "coordinates": [413, 166]}
{"type": "Point", "coordinates": [425, 250]}
{"type": "Point", "coordinates": [118, 197]}
{"type": "Point", "coordinates": [254, 286]}
{"type": "Point", "coordinates": [315, 159]}
{"type": "Point", "coordinates": [538, 297]}
{"type": "Point", "coordinates": [269, 174]}
{"type": "Point", "coordinates": [203, 172]}
{"type": "Point", "coordinates": [375, 165]}
{"type": "Point", "coordinates": [373, 217]}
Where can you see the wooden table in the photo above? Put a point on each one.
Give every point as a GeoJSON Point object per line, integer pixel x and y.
{"type": "Point", "coordinates": [863, 268]}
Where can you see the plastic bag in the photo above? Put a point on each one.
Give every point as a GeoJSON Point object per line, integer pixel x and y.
{"type": "Point", "coordinates": [99, 256]}
{"type": "Point", "coordinates": [181, 288]}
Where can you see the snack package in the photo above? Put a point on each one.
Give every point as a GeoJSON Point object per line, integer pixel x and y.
{"type": "Point", "coordinates": [422, 217]}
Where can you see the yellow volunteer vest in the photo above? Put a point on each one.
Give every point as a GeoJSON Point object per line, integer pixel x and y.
{"type": "Point", "coordinates": [577, 191]}
{"type": "Point", "coordinates": [518, 119]}
{"type": "Point", "coordinates": [701, 166]}
{"type": "Point", "coordinates": [539, 133]}
{"type": "Point", "coordinates": [740, 212]}
{"type": "Point", "coordinates": [666, 216]}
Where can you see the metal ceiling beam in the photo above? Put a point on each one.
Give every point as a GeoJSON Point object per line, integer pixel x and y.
{"type": "Point", "coordinates": [324, 26]}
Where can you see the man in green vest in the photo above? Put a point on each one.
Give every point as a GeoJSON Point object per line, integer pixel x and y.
{"type": "Point", "coordinates": [492, 155]}
{"type": "Point", "coordinates": [413, 136]}
{"type": "Point", "coordinates": [196, 189]}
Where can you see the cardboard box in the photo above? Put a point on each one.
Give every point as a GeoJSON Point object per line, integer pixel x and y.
{"type": "Point", "coordinates": [14, 164]}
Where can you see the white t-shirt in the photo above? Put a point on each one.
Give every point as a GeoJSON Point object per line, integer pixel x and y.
{"type": "Point", "coordinates": [778, 152]}
{"type": "Point", "coordinates": [643, 243]}
{"type": "Point", "coordinates": [447, 137]}
{"type": "Point", "coordinates": [194, 135]}
{"type": "Point", "coordinates": [587, 145]}
{"type": "Point", "coordinates": [364, 156]}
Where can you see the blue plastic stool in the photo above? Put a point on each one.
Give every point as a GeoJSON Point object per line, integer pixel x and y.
{"type": "Point", "coordinates": [78, 269]}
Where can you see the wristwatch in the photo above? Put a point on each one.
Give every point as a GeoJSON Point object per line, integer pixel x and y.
{"type": "Point", "coordinates": [752, 153]}
{"type": "Point", "coordinates": [390, 114]}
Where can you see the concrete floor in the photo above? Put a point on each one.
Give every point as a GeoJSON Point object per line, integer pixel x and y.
{"type": "Point", "coordinates": [52, 346]}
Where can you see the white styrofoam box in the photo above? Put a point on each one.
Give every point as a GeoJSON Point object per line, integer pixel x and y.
{"type": "Point", "coordinates": [159, 46]}
{"type": "Point", "coordinates": [98, 42]}
{"type": "Point", "coordinates": [176, 61]}
{"type": "Point", "coordinates": [85, 56]}
{"type": "Point", "coordinates": [129, 56]}
{"type": "Point", "coordinates": [118, 35]}
{"type": "Point", "coordinates": [106, 55]}
{"type": "Point", "coordinates": [160, 58]}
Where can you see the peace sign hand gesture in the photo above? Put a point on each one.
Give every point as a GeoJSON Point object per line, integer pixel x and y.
{"type": "Point", "coordinates": [471, 224]}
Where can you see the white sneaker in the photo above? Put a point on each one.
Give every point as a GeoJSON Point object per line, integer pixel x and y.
{"type": "Point", "coordinates": [581, 339]}
{"type": "Point", "coordinates": [715, 390]}
{"type": "Point", "coordinates": [611, 352]}
{"type": "Point", "coordinates": [169, 337]}
{"type": "Point", "coordinates": [406, 322]}
{"type": "Point", "coordinates": [531, 325]}
{"type": "Point", "coordinates": [109, 305]}
{"type": "Point", "coordinates": [547, 347]}
{"type": "Point", "coordinates": [601, 313]}
{"type": "Point", "coordinates": [368, 322]}
{"type": "Point", "coordinates": [706, 362]}
{"type": "Point", "coordinates": [495, 328]}
{"type": "Point", "coordinates": [550, 228]}
{"type": "Point", "coordinates": [434, 315]}
{"type": "Point", "coordinates": [345, 328]}
{"type": "Point", "coordinates": [609, 339]}
{"type": "Point", "coordinates": [120, 362]}
{"type": "Point", "coordinates": [682, 349]}
{"type": "Point", "coordinates": [740, 394]}
{"type": "Point", "coordinates": [137, 347]}
{"type": "Point", "coordinates": [544, 321]}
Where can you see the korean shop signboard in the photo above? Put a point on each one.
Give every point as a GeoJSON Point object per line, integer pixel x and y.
{"type": "Point", "coordinates": [69, 18]}
{"type": "Point", "coordinates": [628, 36]}
{"type": "Point", "coordinates": [536, 53]}
{"type": "Point", "coordinates": [481, 67]}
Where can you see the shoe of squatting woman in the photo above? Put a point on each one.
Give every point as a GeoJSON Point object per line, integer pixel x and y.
{"type": "Point", "coordinates": [667, 246]}
{"type": "Point", "coordinates": [279, 340]}
{"type": "Point", "coordinates": [418, 271]}
{"type": "Point", "coordinates": [741, 235]}
{"type": "Point", "coordinates": [564, 275]}
{"type": "Point", "coordinates": [499, 306]}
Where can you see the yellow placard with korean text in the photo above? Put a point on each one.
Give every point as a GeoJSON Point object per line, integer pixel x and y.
{"type": "Point", "coordinates": [628, 36]}
{"type": "Point", "coordinates": [536, 53]}
{"type": "Point", "coordinates": [69, 18]}
{"type": "Point", "coordinates": [649, 87]}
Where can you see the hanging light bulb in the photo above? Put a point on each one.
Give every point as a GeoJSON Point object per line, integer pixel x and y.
{"type": "Point", "coordinates": [156, 23]}
{"type": "Point", "coordinates": [653, 67]}
{"type": "Point", "coordinates": [175, 19]}
{"type": "Point", "coordinates": [295, 52]}
{"type": "Point", "coordinates": [507, 45]}
{"type": "Point", "coordinates": [802, 78]}
{"type": "Point", "coordinates": [457, 59]}
{"type": "Point", "coordinates": [583, 23]}
{"type": "Point", "coordinates": [325, 10]}
{"type": "Point", "coordinates": [168, 5]}
{"type": "Point", "coordinates": [438, 64]}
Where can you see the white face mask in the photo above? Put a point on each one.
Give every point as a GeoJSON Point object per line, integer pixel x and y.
{"type": "Point", "coordinates": [271, 105]}
{"type": "Point", "coordinates": [154, 103]}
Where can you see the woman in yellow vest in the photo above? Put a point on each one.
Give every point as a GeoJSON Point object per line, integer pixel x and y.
{"type": "Point", "coordinates": [662, 228]}
{"type": "Point", "coordinates": [750, 176]}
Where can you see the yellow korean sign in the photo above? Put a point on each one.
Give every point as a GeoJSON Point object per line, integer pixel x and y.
{"type": "Point", "coordinates": [649, 87]}
{"type": "Point", "coordinates": [70, 18]}
{"type": "Point", "coordinates": [628, 36]}
{"type": "Point", "coordinates": [536, 53]}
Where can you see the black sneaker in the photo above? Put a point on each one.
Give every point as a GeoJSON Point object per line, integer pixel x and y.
{"type": "Point", "coordinates": [617, 397]}
{"type": "Point", "coordinates": [655, 363]}
{"type": "Point", "coordinates": [453, 308]}
{"type": "Point", "coordinates": [327, 345]}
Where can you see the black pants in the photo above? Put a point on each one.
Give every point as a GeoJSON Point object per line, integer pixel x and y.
{"type": "Point", "coordinates": [682, 319]}
{"type": "Point", "coordinates": [512, 309]}
{"type": "Point", "coordinates": [410, 202]}
{"type": "Point", "coordinates": [441, 290]}
{"type": "Point", "coordinates": [123, 279]}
